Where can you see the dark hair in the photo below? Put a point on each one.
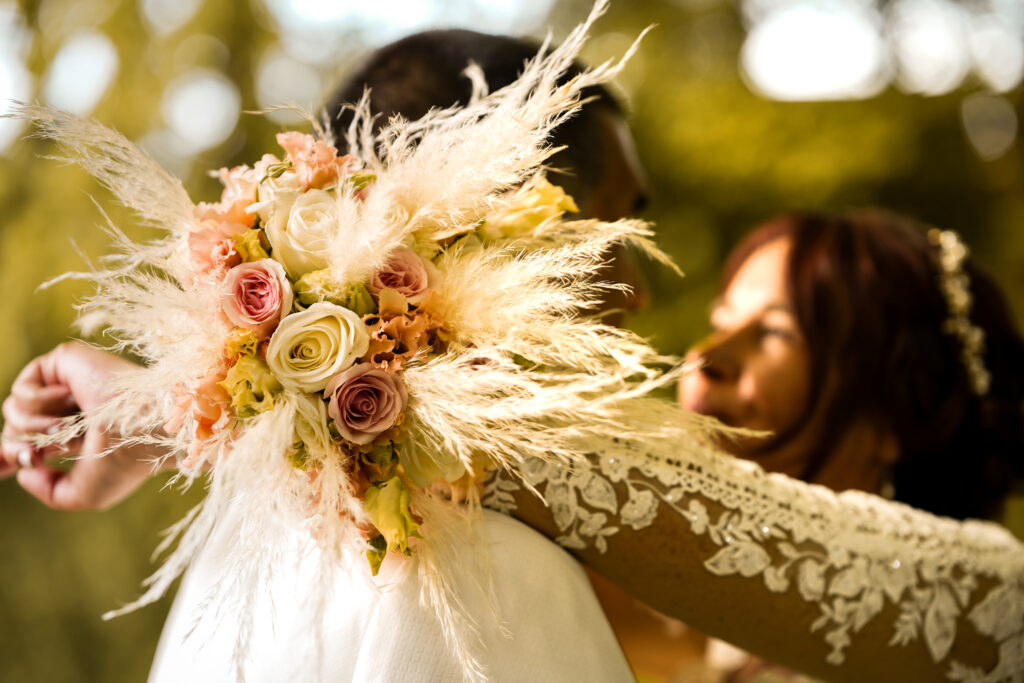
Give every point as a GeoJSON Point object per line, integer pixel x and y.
{"type": "Point", "coordinates": [425, 71]}
{"type": "Point", "coordinates": [865, 289]}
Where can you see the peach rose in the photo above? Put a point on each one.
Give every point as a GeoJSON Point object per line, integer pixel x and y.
{"type": "Point", "coordinates": [239, 193]}
{"type": "Point", "coordinates": [225, 213]}
{"type": "Point", "coordinates": [365, 401]}
{"type": "Point", "coordinates": [316, 163]}
{"type": "Point", "coordinates": [209, 406]}
{"type": "Point", "coordinates": [257, 295]}
{"type": "Point", "coordinates": [212, 248]}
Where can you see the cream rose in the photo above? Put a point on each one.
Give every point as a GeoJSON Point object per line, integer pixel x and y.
{"type": "Point", "coordinates": [309, 348]}
{"type": "Point", "coordinates": [301, 233]}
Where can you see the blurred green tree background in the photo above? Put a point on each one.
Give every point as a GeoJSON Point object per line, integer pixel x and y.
{"type": "Point", "coordinates": [922, 128]}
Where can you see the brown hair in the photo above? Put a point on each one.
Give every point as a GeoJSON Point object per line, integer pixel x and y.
{"type": "Point", "coordinates": [865, 289]}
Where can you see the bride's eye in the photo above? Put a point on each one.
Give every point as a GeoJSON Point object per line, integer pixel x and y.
{"type": "Point", "coordinates": [778, 330]}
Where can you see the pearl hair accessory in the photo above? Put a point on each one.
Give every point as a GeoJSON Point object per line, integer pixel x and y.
{"type": "Point", "coordinates": [955, 287]}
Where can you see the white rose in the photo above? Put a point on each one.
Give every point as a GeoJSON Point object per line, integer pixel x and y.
{"type": "Point", "coordinates": [300, 233]}
{"type": "Point", "coordinates": [309, 348]}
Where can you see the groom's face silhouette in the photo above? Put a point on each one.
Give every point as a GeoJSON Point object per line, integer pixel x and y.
{"type": "Point", "coordinates": [599, 166]}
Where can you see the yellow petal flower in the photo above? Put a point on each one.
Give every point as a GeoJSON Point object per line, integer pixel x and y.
{"type": "Point", "coordinates": [319, 285]}
{"type": "Point", "coordinates": [249, 245]}
{"type": "Point", "coordinates": [242, 342]}
{"type": "Point", "coordinates": [387, 505]}
{"type": "Point", "coordinates": [531, 206]}
{"type": "Point", "coordinates": [251, 386]}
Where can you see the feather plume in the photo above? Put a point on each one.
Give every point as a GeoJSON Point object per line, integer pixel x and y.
{"type": "Point", "coordinates": [130, 174]}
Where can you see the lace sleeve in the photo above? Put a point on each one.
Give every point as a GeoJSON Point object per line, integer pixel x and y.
{"type": "Point", "coordinates": [844, 586]}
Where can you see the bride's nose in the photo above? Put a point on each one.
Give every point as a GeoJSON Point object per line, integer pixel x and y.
{"type": "Point", "coordinates": [719, 355]}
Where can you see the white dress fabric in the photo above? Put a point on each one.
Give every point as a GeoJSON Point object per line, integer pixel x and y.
{"type": "Point", "coordinates": [556, 630]}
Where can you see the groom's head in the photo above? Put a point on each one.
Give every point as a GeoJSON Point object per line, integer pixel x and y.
{"type": "Point", "coordinates": [599, 165]}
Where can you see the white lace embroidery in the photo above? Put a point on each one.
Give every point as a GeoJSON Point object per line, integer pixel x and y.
{"type": "Point", "coordinates": [849, 552]}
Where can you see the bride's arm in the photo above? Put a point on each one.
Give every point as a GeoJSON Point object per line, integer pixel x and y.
{"type": "Point", "coordinates": [844, 587]}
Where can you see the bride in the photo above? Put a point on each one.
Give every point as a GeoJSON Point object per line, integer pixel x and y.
{"type": "Point", "coordinates": [713, 540]}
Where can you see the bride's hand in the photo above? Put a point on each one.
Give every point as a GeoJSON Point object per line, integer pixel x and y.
{"type": "Point", "coordinates": [70, 378]}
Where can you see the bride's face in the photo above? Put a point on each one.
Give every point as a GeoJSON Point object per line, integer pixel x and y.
{"type": "Point", "coordinates": [755, 370]}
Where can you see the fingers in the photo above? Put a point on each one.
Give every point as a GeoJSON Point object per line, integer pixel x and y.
{"type": "Point", "coordinates": [72, 377]}
{"type": "Point", "coordinates": [11, 462]}
{"type": "Point", "coordinates": [31, 392]}
{"type": "Point", "coordinates": [39, 388]}
{"type": "Point", "coordinates": [90, 484]}
{"type": "Point", "coordinates": [38, 399]}
{"type": "Point", "coordinates": [20, 423]}
{"type": "Point", "coordinates": [23, 420]}
{"type": "Point", "coordinates": [16, 454]}
{"type": "Point", "coordinates": [54, 487]}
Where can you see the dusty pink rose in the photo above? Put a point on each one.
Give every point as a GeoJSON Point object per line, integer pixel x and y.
{"type": "Point", "coordinates": [316, 163]}
{"type": "Point", "coordinates": [407, 273]}
{"type": "Point", "coordinates": [211, 247]}
{"type": "Point", "coordinates": [256, 296]}
{"type": "Point", "coordinates": [365, 401]}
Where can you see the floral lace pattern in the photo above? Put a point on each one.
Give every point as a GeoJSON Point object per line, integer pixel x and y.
{"type": "Point", "coordinates": [850, 553]}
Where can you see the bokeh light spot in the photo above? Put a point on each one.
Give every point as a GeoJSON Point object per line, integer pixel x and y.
{"type": "Point", "coordinates": [990, 123]}
{"type": "Point", "coordinates": [164, 17]}
{"type": "Point", "coordinates": [811, 52]}
{"type": "Point", "coordinates": [81, 73]}
{"type": "Point", "coordinates": [281, 80]}
{"type": "Point", "coordinates": [15, 79]}
{"type": "Point", "coordinates": [998, 52]}
{"type": "Point", "coordinates": [929, 39]}
{"type": "Point", "coordinates": [201, 107]}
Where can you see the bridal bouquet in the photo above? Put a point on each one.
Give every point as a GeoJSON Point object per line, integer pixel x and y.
{"type": "Point", "coordinates": [336, 340]}
{"type": "Point", "coordinates": [346, 344]}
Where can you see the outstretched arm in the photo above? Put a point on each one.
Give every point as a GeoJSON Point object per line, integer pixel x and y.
{"type": "Point", "coordinates": [844, 587]}
{"type": "Point", "coordinates": [71, 378]}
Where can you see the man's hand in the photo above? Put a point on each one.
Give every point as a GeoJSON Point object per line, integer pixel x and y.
{"type": "Point", "coordinates": [71, 378]}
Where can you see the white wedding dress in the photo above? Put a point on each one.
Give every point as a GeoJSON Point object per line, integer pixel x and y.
{"type": "Point", "coordinates": [556, 630]}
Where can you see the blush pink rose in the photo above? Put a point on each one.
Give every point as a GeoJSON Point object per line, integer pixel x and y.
{"type": "Point", "coordinates": [211, 247]}
{"type": "Point", "coordinates": [407, 273]}
{"type": "Point", "coordinates": [365, 401]}
{"type": "Point", "coordinates": [316, 163]}
{"type": "Point", "coordinates": [257, 295]}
